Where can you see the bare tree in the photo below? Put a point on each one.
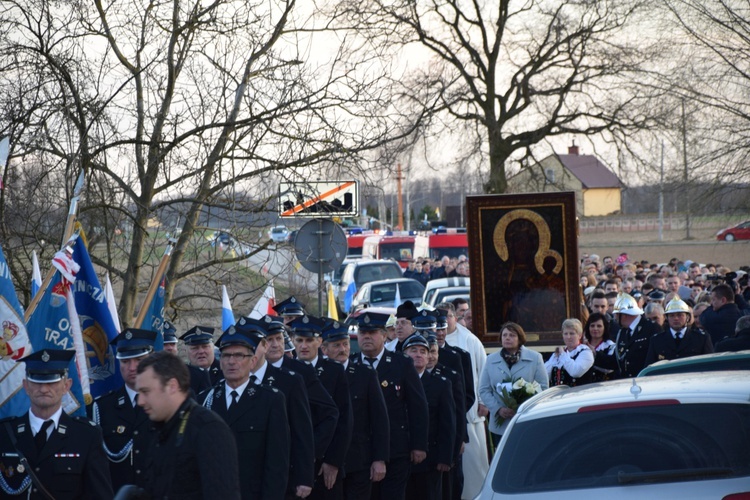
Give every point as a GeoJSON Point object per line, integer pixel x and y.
{"type": "Point", "coordinates": [502, 76]}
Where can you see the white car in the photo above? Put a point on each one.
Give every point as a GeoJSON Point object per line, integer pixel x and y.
{"type": "Point", "coordinates": [278, 234]}
{"type": "Point", "coordinates": [683, 436]}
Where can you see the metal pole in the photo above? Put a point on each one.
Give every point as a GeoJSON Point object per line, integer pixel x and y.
{"type": "Point", "coordinates": [320, 267]}
{"type": "Point", "coordinates": [661, 196]}
{"type": "Point", "coordinates": [685, 173]}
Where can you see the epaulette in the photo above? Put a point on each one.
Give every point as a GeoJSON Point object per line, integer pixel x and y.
{"type": "Point", "coordinates": [85, 420]}
{"type": "Point", "coordinates": [102, 396]}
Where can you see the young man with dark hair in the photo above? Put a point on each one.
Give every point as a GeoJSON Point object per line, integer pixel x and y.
{"type": "Point", "coordinates": [720, 319]}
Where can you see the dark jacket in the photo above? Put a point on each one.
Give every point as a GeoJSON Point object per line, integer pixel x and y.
{"type": "Point", "coordinates": [194, 456]}
{"type": "Point", "coordinates": [459, 400]}
{"type": "Point", "coordinates": [460, 360]}
{"type": "Point", "coordinates": [632, 349]}
{"type": "Point", "coordinates": [333, 378]}
{"type": "Point", "coordinates": [202, 380]}
{"type": "Point", "coordinates": [371, 430]}
{"type": "Point", "coordinates": [740, 342]}
{"type": "Point", "coordinates": [260, 426]}
{"type": "Point", "coordinates": [120, 422]}
{"type": "Point", "coordinates": [664, 345]}
{"type": "Point", "coordinates": [720, 324]}
{"type": "Point", "coordinates": [71, 465]}
{"type": "Point", "coordinates": [442, 426]}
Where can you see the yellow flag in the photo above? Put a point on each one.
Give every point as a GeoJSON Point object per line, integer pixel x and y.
{"type": "Point", "coordinates": [332, 312]}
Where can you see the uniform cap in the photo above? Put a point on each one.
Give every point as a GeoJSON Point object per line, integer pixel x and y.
{"type": "Point", "coordinates": [290, 307]}
{"type": "Point", "coordinates": [415, 339]}
{"type": "Point", "coordinates": [307, 326]}
{"type": "Point", "coordinates": [626, 304]}
{"type": "Point", "coordinates": [134, 343]}
{"type": "Point", "coordinates": [441, 321]}
{"type": "Point", "coordinates": [48, 365]}
{"type": "Point", "coordinates": [657, 294]}
{"type": "Point", "coordinates": [250, 336]}
{"type": "Point", "coordinates": [170, 333]}
{"type": "Point", "coordinates": [335, 330]}
{"type": "Point", "coordinates": [676, 306]}
{"type": "Point", "coordinates": [406, 310]}
{"type": "Point", "coordinates": [198, 335]}
{"type": "Point", "coordinates": [370, 321]}
{"type": "Point", "coordinates": [424, 320]}
{"type": "Point", "coordinates": [432, 339]}
{"type": "Point", "coordinates": [274, 324]}
{"type": "Point", "coordinates": [288, 344]}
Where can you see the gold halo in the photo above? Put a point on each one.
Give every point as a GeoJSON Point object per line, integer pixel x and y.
{"type": "Point", "coordinates": [498, 236]}
{"type": "Point", "coordinates": [539, 260]}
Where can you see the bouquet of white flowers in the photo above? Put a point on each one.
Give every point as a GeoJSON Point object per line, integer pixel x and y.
{"type": "Point", "coordinates": [514, 393]}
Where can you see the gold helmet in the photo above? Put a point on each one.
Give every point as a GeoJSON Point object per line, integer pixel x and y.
{"type": "Point", "coordinates": [391, 321]}
{"type": "Point", "coordinates": [626, 304]}
{"type": "Point", "coordinates": [677, 305]}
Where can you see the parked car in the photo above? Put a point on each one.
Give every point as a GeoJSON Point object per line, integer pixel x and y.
{"type": "Point", "coordinates": [682, 436]}
{"type": "Point", "coordinates": [361, 271]}
{"type": "Point", "coordinates": [290, 237]}
{"type": "Point", "coordinates": [434, 285]}
{"type": "Point", "coordinates": [383, 293]}
{"type": "Point", "coordinates": [713, 362]}
{"type": "Point", "coordinates": [278, 234]}
{"type": "Point", "coordinates": [448, 294]}
{"type": "Point", "coordinates": [739, 232]}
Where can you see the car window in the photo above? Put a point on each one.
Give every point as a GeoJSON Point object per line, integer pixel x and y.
{"type": "Point", "coordinates": [635, 445]}
{"type": "Point", "coordinates": [366, 274]}
{"type": "Point", "coordinates": [386, 292]}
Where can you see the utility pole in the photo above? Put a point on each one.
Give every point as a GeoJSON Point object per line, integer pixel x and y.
{"type": "Point", "coordinates": [685, 178]}
{"type": "Point", "coordinates": [661, 196]}
{"type": "Point", "coordinates": [400, 199]}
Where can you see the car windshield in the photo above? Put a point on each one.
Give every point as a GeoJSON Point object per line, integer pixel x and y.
{"type": "Point", "coordinates": [616, 447]}
{"type": "Point", "coordinates": [366, 274]}
{"type": "Point", "coordinates": [396, 251]}
{"type": "Point", "coordinates": [387, 291]}
{"type": "Point", "coordinates": [278, 230]}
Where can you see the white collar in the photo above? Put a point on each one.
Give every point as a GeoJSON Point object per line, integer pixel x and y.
{"type": "Point", "coordinates": [634, 324]}
{"type": "Point", "coordinates": [346, 364]}
{"type": "Point", "coordinates": [240, 391]}
{"type": "Point", "coordinates": [377, 358]}
{"type": "Point", "coordinates": [278, 363]}
{"type": "Point", "coordinates": [131, 394]}
{"type": "Point", "coordinates": [260, 372]}
{"type": "Point", "coordinates": [36, 422]}
{"type": "Point", "coordinates": [678, 333]}
{"type": "Point", "coordinates": [313, 362]}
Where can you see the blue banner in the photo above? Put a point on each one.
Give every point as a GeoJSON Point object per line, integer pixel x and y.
{"type": "Point", "coordinates": [154, 319]}
{"type": "Point", "coordinates": [14, 344]}
{"type": "Point", "coordinates": [97, 325]}
{"type": "Point", "coordinates": [50, 328]}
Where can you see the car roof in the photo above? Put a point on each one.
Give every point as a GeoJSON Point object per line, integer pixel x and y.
{"type": "Point", "coordinates": [699, 387]}
{"type": "Point", "coordinates": [390, 280]}
{"type": "Point", "coordinates": [711, 361]}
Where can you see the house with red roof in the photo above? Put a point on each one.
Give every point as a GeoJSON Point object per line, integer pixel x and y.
{"type": "Point", "coordinates": [598, 189]}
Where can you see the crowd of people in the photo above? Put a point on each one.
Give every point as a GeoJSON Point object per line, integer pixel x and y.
{"type": "Point", "coordinates": [288, 410]}
{"type": "Point", "coordinates": [424, 269]}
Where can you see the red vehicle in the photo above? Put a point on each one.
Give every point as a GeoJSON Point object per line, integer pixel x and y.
{"type": "Point", "coordinates": [398, 248]}
{"type": "Point", "coordinates": [436, 246]}
{"type": "Point", "coordinates": [354, 243]}
{"type": "Point", "coordinates": [739, 232]}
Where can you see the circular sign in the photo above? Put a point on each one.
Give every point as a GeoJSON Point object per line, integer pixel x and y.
{"type": "Point", "coordinates": [320, 245]}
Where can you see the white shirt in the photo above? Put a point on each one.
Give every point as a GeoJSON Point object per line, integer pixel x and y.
{"type": "Point", "coordinates": [240, 391]}
{"type": "Point", "coordinates": [313, 362]}
{"type": "Point", "coordinates": [679, 333]}
{"type": "Point", "coordinates": [377, 358]}
{"type": "Point", "coordinates": [277, 364]}
{"type": "Point", "coordinates": [584, 360]}
{"type": "Point", "coordinates": [260, 373]}
{"type": "Point", "coordinates": [131, 394]}
{"type": "Point", "coordinates": [36, 422]}
{"type": "Point", "coordinates": [391, 344]}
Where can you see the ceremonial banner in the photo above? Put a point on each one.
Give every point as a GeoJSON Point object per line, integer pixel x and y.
{"type": "Point", "coordinates": [227, 316]}
{"type": "Point", "coordinates": [154, 319]}
{"type": "Point", "coordinates": [265, 303]}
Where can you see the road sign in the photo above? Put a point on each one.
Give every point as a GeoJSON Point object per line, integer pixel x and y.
{"type": "Point", "coordinates": [319, 198]}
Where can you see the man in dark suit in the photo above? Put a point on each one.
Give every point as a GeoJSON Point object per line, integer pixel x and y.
{"type": "Point", "coordinates": [255, 413]}
{"type": "Point", "coordinates": [741, 339]}
{"type": "Point", "coordinates": [205, 371]}
{"type": "Point", "coordinates": [634, 337]}
{"type": "Point", "coordinates": [406, 402]}
{"type": "Point", "coordinates": [194, 454]}
{"type": "Point", "coordinates": [301, 474]}
{"type": "Point", "coordinates": [307, 332]}
{"type": "Point", "coordinates": [126, 427]}
{"type": "Point", "coordinates": [679, 340]}
{"type": "Point", "coordinates": [404, 327]}
{"type": "Point", "coordinates": [64, 453]}
{"type": "Point", "coordinates": [369, 448]}
{"type": "Point", "coordinates": [426, 478]}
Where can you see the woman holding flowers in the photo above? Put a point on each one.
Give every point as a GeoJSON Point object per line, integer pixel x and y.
{"type": "Point", "coordinates": [570, 365]}
{"type": "Point", "coordinates": [511, 375]}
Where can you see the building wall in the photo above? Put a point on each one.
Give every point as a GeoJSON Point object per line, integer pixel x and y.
{"type": "Point", "coordinates": [545, 177]}
{"type": "Point", "coordinates": [601, 201]}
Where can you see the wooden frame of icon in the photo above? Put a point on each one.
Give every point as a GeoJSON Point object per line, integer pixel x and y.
{"type": "Point", "coordinates": [523, 251]}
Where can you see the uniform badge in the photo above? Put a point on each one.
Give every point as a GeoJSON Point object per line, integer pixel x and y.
{"type": "Point", "coordinates": [661, 356]}
{"type": "Point", "coordinates": [384, 383]}
{"type": "Point", "coordinates": [61, 429]}
{"type": "Point", "coordinates": [45, 356]}
{"type": "Point", "coordinates": [20, 468]}
{"type": "Point", "coordinates": [129, 335]}
{"type": "Point", "coordinates": [120, 429]}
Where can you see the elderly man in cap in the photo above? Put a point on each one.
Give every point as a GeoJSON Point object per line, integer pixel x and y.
{"type": "Point", "coordinates": [45, 453]}
{"type": "Point", "coordinates": [633, 338]}
{"type": "Point", "coordinates": [369, 448]}
{"type": "Point", "coordinates": [205, 370]}
{"type": "Point", "coordinates": [194, 454]}
{"type": "Point", "coordinates": [256, 413]}
{"type": "Point", "coordinates": [426, 478]}
{"type": "Point", "coordinates": [170, 338]}
{"type": "Point", "coordinates": [290, 309]}
{"type": "Point", "coordinates": [307, 339]}
{"type": "Point", "coordinates": [126, 427]}
{"type": "Point", "coordinates": [406, 402]}
{"type": "Point", "coordinates": [404, 327]}
{"type": "Point", "coordinates": [680, 339]}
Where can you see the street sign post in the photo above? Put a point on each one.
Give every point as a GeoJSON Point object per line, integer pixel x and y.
{"type": "Point", "coordinates": [319, 199]}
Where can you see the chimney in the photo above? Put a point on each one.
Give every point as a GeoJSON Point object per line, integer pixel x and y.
{"type": "Point", "coordinates": [573, 150]}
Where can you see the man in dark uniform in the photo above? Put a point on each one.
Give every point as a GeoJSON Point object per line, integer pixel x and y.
{"type": "Point", "coordinates": [370, 447]}
{"type": "Point", "coordinates": [459, 400]}
{"type": "Point", "coordinates": [426, 478]}
{"type": "Point", "coordinates": [65, 453]}
{"type": "Point", "coordinates": [194, 454]}
{"type": "Point", "coordinates": [405, 399]}
{"type": "Point", "coordinates": [302, 456]}
{"type": "Point", "coordinates": [170, 337]}
{"type": "Point", "coordinates": [741, 339]}
{"type": "Point", "coordinates": [307, 332]}
{"type": "Point", "coordinates": [126, 427]}
{"type": "Point", "coordinates": [323, 410]}
{"type": "Point", "coordinates": [255, 413]}
{"type": "Point", "coordinates": [404, 327]}
{"type": "Point", "coordinates": [290, 309]}
{"type": "Point", "coordinates": [634, 337]}
{"type": "Point", "coordinates": [679, 340]}
{"type": "Point", "coordinates": [205, 370]}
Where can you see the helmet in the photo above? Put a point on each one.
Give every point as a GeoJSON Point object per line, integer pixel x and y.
{"type": "Point", "coordinates": [626, 304]}
{"type": "Point", "coordinates": [391, 321]}
{"type": "Point", "coordinates": [676, 305]}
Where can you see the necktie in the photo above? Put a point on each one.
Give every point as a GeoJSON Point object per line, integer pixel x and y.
{"type": "Point", "coordinates": [41, 437]}
{"type": "Point", "coordinates": [135, 401]}
{"type": "Point", "coordinates": [253, 379]}
{"type": "Point", "coordinates": [234, 398]}
{"type": "Point", "coordinates": [371, 360]}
